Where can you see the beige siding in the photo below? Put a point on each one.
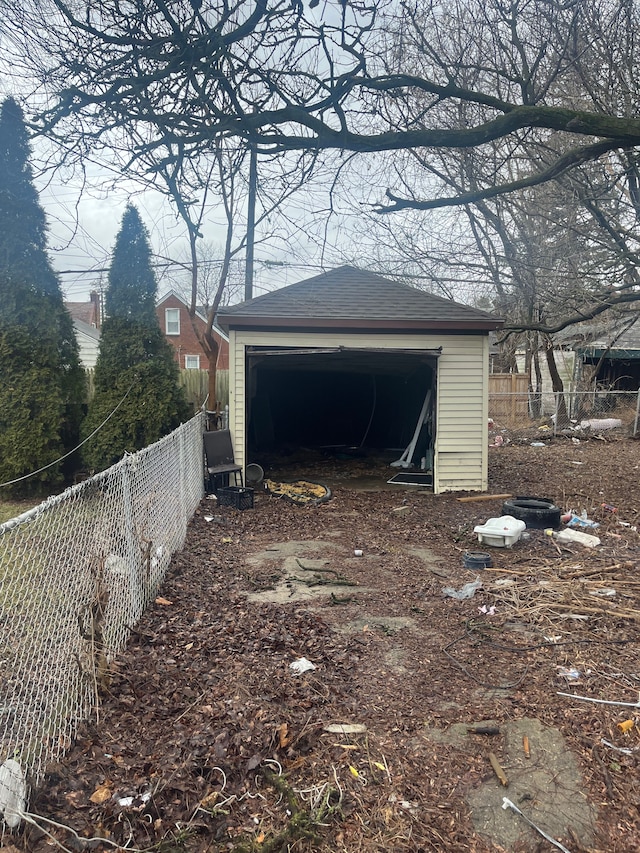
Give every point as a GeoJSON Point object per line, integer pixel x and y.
{"type": "Point", "coordinates": [461, 411]}
{"type": "Point", "coordinates": [237, 407]}
{"type": "Point", "coordinates": [462, 432]}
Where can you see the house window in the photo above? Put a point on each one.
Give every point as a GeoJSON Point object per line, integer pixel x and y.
{"type": "Point", "coordinates": [192, 362]}
{"type": "Point", "coordinates": [172, 321]}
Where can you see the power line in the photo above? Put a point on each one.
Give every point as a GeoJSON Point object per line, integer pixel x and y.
{"type": "Point", "coordinates": [62, 458]}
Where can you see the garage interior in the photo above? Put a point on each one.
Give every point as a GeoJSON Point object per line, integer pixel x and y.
{"type": "Point", "coordinates": [341, 400]}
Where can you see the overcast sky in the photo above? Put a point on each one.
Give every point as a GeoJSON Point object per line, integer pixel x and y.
{"type": "Point", "coordinates": [84, 221]}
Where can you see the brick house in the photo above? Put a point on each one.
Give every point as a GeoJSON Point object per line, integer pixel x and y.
{"type": "Point", "coordinates": [173, 316]}
{"type": "Point", "coordinates": [86, 318]}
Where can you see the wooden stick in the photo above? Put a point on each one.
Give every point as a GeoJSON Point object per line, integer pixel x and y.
{"type": "Point", "coordinates": [525, 746]}
{"type": "Point", "coordinates": [502, 776]}
{"type": "Point", "coordinates": [484, 498]}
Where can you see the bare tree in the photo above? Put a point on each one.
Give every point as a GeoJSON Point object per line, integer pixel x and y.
{"type": "Point", "coordinates": [289, 78]}
{"type": "Point", "coordinates": [512, 85]}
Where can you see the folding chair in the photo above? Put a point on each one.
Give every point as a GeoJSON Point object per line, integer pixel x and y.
{"type": "Point", "coordinates": [219, 461]}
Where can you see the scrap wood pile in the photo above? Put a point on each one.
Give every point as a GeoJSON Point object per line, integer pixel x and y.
{"type": "Point", "coordinates": [547, 590]}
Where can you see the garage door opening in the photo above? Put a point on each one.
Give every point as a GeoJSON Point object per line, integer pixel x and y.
{"type": "Point", "coordinates": [360, 400]}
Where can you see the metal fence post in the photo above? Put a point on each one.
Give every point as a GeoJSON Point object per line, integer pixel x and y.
{"type": "Point", "coordinates": [635, 420]}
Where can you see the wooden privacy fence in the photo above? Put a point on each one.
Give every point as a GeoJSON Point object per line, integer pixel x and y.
{"type": "Point", "coordinates": [194, 382]}
{"type": "Point", "coordinates": [508, 397]}
{"type": "Point", "coordinates": [196, 386]}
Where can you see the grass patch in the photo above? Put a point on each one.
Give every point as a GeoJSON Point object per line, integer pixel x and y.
{"type": "Point", "coordinates": [9, 509]}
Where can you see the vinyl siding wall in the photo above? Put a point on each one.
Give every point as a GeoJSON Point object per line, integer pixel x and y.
{"type": "Point", "coordinates": [460, 461]}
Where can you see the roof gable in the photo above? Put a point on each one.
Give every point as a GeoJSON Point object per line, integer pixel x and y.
{"type": "Point", "coordinates": [201, 313]}
{"type": "Point", "coordinates": [351, 298]}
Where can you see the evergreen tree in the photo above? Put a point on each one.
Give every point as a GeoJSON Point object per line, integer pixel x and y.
{"type": "Point", "coordinates": [42, 384]}
{"type": "Point", "coordinates": [136, 370]}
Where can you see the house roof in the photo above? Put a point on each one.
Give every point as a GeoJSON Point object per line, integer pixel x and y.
{"type": "Point", "coordinates": [201, 311]}
{"type": "Point", "coordinates": [86, 312]}
{"type": "Point", "coordinates": [86, 329]}
{"type": "Point", "coordinates": [614, 332]}
{"type": "Point", "coordinates": [351, 298]}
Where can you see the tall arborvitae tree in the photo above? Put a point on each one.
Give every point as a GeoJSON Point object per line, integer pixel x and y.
{"type": "Point", "coordinates": [42, 384]}
{"type": "Point", "coordinates": [136, 375]}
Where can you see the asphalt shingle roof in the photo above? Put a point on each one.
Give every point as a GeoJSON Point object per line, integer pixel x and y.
{"type": "Point", "coordinates": [350, 297]}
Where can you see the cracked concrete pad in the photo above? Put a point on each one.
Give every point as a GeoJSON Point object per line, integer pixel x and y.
{"type": "Point", "coordinates": [547, 787]}
{"type": "Point", "coordinates": [306, 574]}
{"type": "Point", "coordinates": [302, 548]}
{"type": "Point", "coordinates": [431, 560]}
{"type": "Point", "coordinates": [298, 589]}
{"type": "Point", "coordinates": [388, 624]}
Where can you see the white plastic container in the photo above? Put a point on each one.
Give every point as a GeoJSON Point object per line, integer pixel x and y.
{"type": "Point", "coordinates": [571, 536]}
{"type": "Point", "coordinates": [500, 532]}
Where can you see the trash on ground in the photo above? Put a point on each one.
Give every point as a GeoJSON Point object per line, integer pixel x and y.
{"type": "Point", "coordinates": [483, 730]}
{"type": "Point", "coordinates": [538, 444]}
{"type": "Point", "coordinates": [625, 750]}
{"type": "Point", "coordinates": [301, 665]}
{"type": "Point", "coordinates": [501, 532]}
{"type": "Point", "coordinates": [577, 537]}
{"type": "Point", "coordinates": [476, 560]}
{"type": "Point", "coordinates": [469, 498]}
{"type": "Point", "coordinates": [497, 769]}
{"type": "Point", "coordinates": [358, 552]}
{"type": "Point", "coordinates": [600, 701]}
{"type": "Point", "coordinates": [300, 492]}
{"type": "Point", "coordinates": [345, 728]}
{"type": "Point", "coordinates": [626, 725]}
{"type": "Point", "coordinates": [488, 611]}
{"type": "Point", "coordinates": [570, 673]}
{"type": "Point", "coordinates": [603, 593]}
{"type": "Point", "coordinates": [582, 520]}
{"type": "Point", "coordinates": [507, 804]}
{"type": "Point", "coordinates": [13, 793]}
{"type": "Point", "coordinates": [467, 591]}
{"type": "Point", "coordinates": [600, 424]}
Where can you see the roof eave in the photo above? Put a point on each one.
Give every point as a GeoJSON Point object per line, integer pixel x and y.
{"type": "Point", "coordinates": [274, 324]}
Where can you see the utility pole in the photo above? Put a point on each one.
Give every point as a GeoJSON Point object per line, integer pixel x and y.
{"type": "Point", "coordinates": [251, 221]}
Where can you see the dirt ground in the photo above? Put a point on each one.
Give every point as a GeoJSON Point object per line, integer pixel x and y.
{"type": "Point", "coordinates": [208, 740]}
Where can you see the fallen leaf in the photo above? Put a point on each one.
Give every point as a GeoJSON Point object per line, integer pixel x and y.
{"type": "Point", "coordinates": [76, 799]}
{"type": "Point", "coordinates": [210, 800]}
{"type": "Point", "coordinates": [260, 838]}
{"type": "Point", "coordinates": [189, 646]}
{"type": "Point", "coordinates": [283, 735]}
{"type": "Point", "coordinates": [354, 772]}
{"type": "Point", "coordinates": [102, 793]}
{"type": "Point", "coordinates": [163, 601]}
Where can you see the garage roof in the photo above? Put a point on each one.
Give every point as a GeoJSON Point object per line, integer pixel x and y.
{"type": "Point", "coordinates": [350, 298]}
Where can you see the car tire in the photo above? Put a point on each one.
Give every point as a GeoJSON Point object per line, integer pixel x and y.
{"type": "Point", "coordinates": [537, 513]}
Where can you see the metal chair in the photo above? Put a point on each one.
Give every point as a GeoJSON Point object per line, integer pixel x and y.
{"type": "Point", "coordinates": [219, 461]}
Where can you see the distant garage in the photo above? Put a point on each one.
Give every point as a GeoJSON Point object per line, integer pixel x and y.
{"type": "Point", "coordinates": [351, 359]}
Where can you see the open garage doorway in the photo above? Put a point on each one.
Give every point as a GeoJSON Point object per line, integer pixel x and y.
{"type": "Point", "coordinates": [351, 400]}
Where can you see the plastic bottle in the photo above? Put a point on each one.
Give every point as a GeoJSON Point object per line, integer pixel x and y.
{"type": "Point", "coordinates": [569, 536]}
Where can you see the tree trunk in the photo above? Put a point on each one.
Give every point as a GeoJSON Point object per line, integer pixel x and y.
{"type": "Point", "coordinates": [562, 416]}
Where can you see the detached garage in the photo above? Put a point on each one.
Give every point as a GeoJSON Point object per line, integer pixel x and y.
{"type": "Point", "coordinates": [349, 358]}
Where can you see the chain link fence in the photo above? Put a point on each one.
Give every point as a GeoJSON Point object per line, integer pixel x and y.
{"type": "Point", "coordinates": [76, 573]}
{"type": "Point", "coordinates": [572, 411]}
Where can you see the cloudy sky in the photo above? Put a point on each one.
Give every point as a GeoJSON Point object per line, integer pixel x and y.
{"type": "Point", "coordinates": [84, 219]}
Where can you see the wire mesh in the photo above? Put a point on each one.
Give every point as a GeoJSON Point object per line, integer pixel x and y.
{"type": "Point", "coordinates": [571, 411]}
{"type": "Point", "coordinates": [76, 573]}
